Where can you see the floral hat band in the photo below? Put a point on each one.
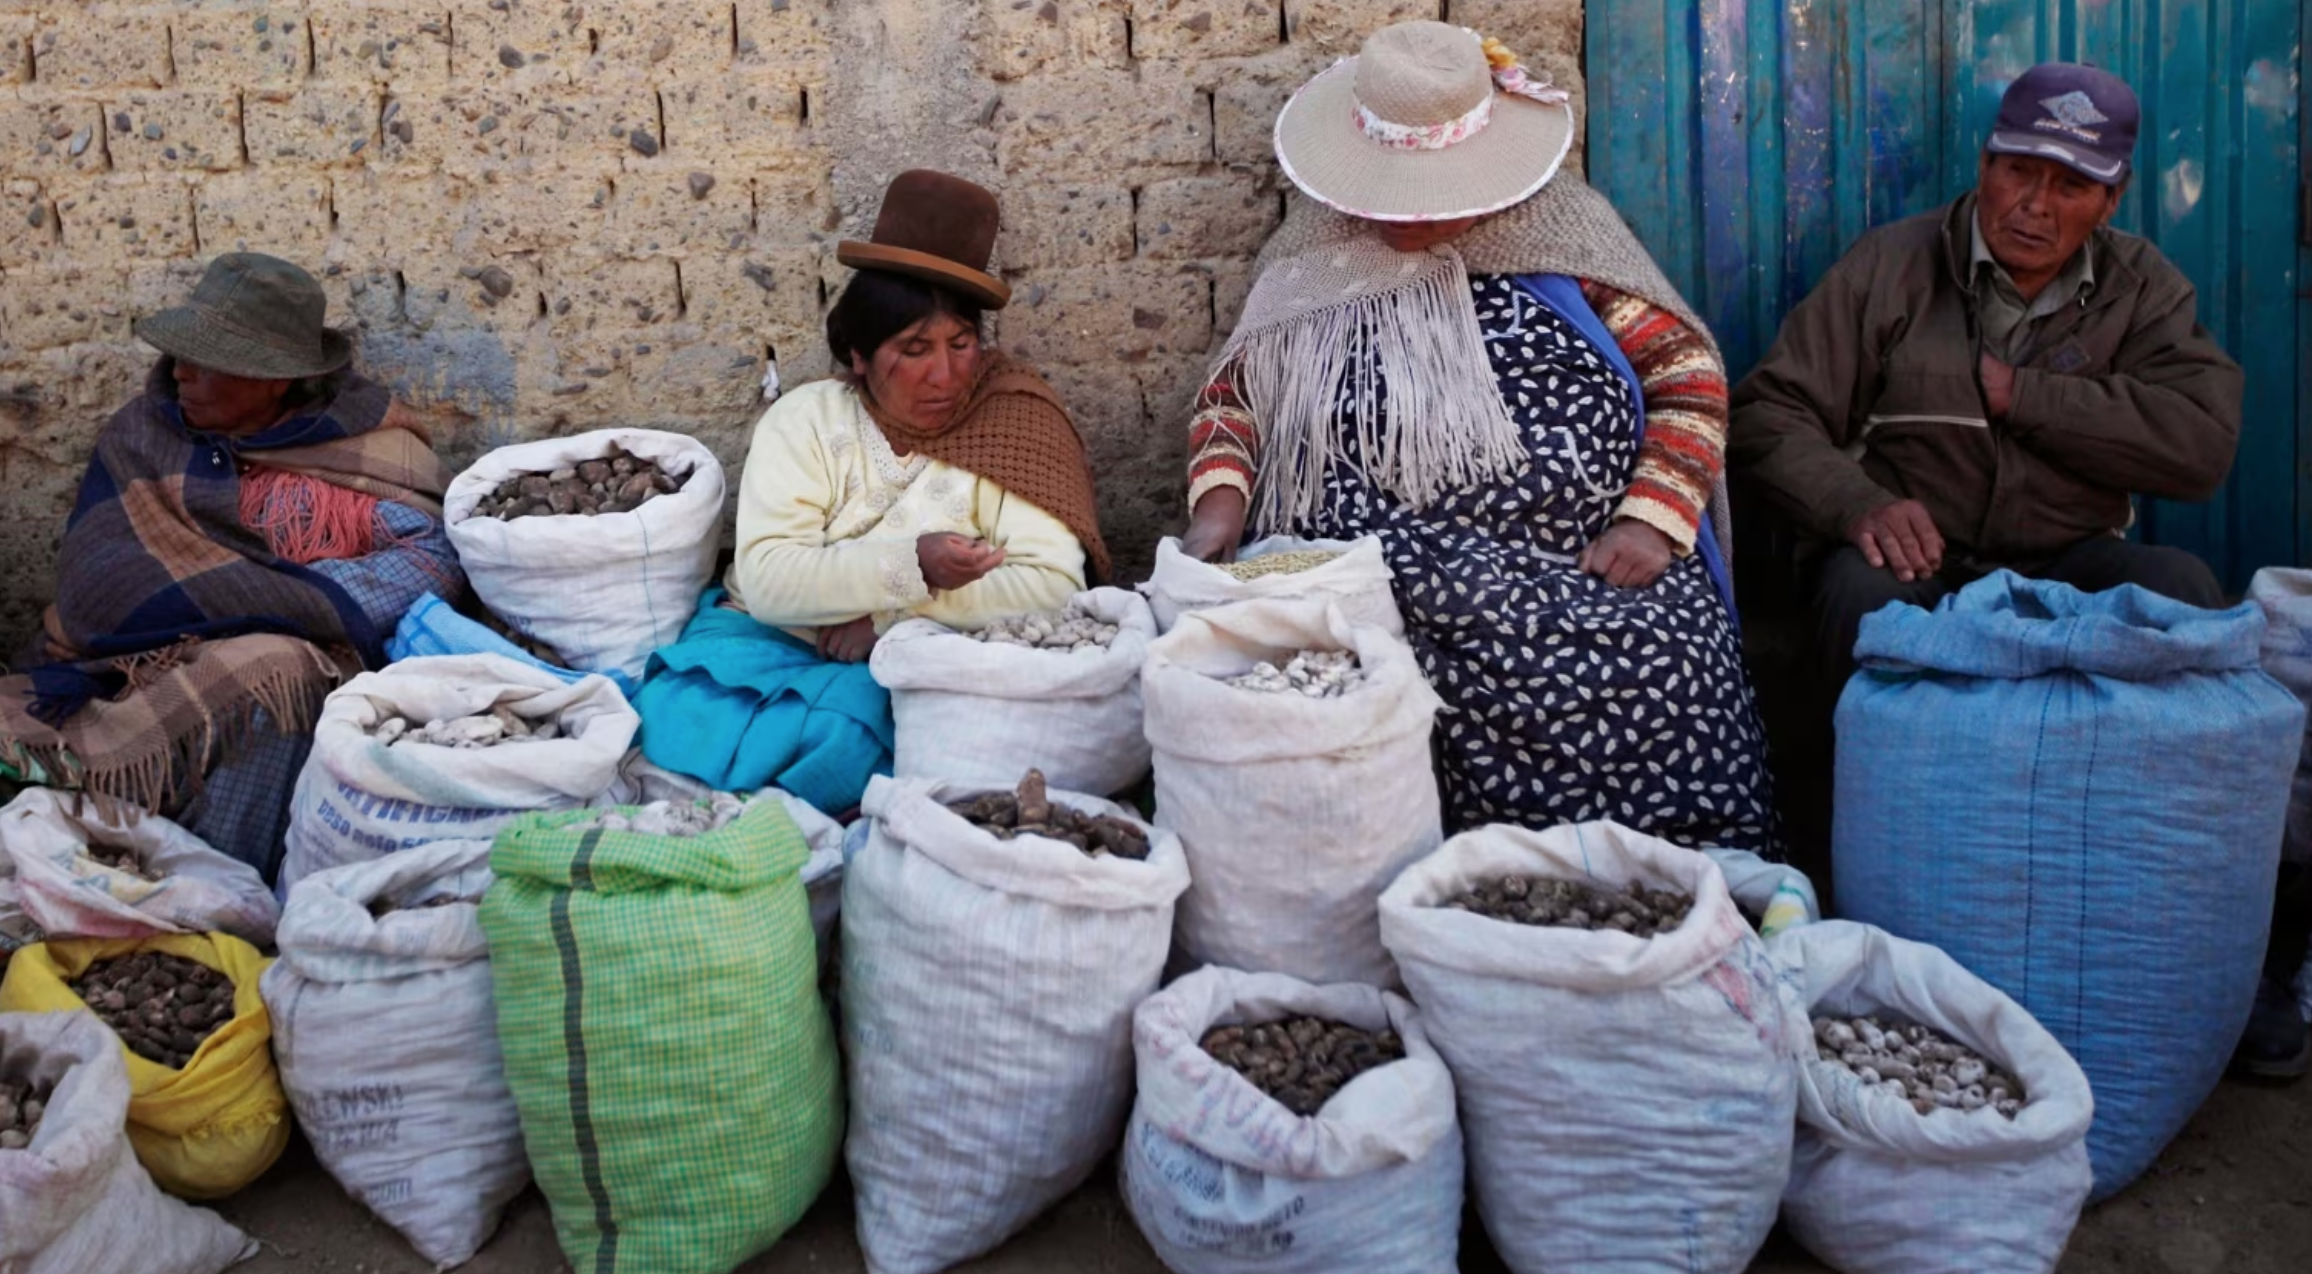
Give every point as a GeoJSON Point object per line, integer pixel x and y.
{"type": "Point", "coordinates": [1425, 136]}
{"type": "Point", "coordinates": [1429, 121]}
{"type": "Point", "coordinates": [1509, 75]}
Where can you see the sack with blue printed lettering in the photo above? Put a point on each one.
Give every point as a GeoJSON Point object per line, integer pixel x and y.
{"type": "Point", "coordinates": [1224, 1179]}
{"type": "Point", "coordinates": [386, 1033]}
{"type": "Point", "coordinates": [361, 797]}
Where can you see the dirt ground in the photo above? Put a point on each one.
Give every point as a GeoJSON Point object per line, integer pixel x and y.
{"type": "Point", "coordinates": [2232, 1195]}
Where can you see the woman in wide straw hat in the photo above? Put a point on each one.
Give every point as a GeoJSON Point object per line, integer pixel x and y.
{"type": "Point", "coordinates": [933, 478]}
{"type": "Point", "coordinates": [1455, 346]}
{"type": "Point", "coordinates": [251, 527]}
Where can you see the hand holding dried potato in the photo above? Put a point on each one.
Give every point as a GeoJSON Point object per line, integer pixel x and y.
{"type": "Point", "coordinates": [950, 561]}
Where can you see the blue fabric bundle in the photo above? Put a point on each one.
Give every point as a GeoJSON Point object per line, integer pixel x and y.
{"type": "Point", "coordinates": [2080, 797]}
{"type": "Point", "coordinates": [739, 706]}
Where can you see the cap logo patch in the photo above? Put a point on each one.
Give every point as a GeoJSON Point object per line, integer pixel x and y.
{"type": "Point", "coordinates": [2072, 113]}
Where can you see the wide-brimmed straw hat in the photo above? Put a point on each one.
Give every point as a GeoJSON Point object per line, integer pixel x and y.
{"type": "Point", "coordinates": [1420, 126]}
{"type": "Point", "coordinates": [252, 315]}
{"type": "Point", "coordinates": [937, 228]}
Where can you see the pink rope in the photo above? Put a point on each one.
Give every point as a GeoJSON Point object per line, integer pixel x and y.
{"type": "Point", "coordinates": [305, 519]}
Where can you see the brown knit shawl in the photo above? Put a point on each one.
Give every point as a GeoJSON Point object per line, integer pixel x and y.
{"type": "Point", "coordinates": [1013, 430]}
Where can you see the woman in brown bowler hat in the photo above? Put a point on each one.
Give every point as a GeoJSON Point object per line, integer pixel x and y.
{"type": "Point", "coordinates": [934, 477]}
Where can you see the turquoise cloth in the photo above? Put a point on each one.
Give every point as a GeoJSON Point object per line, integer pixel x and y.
{"type": "Point", "coordinates": [740, 705]}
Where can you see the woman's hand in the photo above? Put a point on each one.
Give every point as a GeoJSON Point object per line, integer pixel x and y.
{"type": "Point", "coordinates": [849, 643]}
{"type": "Point", "coordinates": [950, 561]}
{"type": "Point", "coordinates": [1631, 554]}
{"type": "Point", "coordinates": [1215, 526]}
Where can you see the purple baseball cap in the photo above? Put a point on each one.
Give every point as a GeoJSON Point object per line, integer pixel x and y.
{"type": "Point", "coordinates": [2082, 117]}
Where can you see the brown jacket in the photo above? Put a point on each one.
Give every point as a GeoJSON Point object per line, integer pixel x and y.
{"type": "Point", "coordinates": [1871, 395]}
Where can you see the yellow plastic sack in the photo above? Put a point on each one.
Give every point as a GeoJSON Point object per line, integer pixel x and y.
{"type": "Point", "coordinates": [218, 1124]}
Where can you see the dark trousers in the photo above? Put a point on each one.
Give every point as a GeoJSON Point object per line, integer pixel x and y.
{"type": "Point", "coordinates": [1848, 587]}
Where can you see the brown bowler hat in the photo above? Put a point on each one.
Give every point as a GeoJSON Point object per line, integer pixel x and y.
{"type": "Point", "coordinates": [936, 228]}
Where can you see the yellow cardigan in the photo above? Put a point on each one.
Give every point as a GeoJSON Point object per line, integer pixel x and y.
{"type": "Point", "coordinates": [828, 517]}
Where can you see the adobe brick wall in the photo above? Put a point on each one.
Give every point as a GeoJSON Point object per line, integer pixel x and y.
{"type": "Point", "coordinates": [548, 216]}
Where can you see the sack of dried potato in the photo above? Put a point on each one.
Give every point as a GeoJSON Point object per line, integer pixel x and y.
{"type": "Point", "coordinates": [664, 1039]}
{"type": "Point", "coordinates": [387, 1039]}
{"type": "Point", "coordinates": [601, 570]}
{"type": "Point", "coordinates": [74, 1200]}
{"type": "Point", "coordinates": [88, 866]}
{"type": "Point", "coordinates": [1296, 809]}
{"type": "Point", "coordinates": [208, 1119]}
{"type": "Point", "coordinates": [1876, 1184]}
{"type": "Point", "coordinates": [1353, 573]}
{"type": "Point", "coordinates": [1224, 1178]}
{"type": "Point", "coordinates": [448, 747]}
{"type": "Point", "coordinates": [1629, 1090]}
{"type": "Point", "coordinates": [988, 988]}
{"type": "Point", "coordinates": [1056, 693]}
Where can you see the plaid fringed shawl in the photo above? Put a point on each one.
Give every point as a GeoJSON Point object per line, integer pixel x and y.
{"type": "Point", "coordinates": [158, 569]}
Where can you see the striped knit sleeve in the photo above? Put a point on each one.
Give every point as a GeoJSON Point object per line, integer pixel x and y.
{"type": "Point", "coordinates": [1683, 386]}
{"type": "Point", "coordinates": [1222, 440]}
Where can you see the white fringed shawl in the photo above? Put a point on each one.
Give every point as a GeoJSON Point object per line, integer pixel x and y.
{"type": "Point", "coordinates": [1333, 303]}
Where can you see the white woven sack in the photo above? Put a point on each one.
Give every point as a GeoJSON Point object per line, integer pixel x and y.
{"type": "Point", "coordinates": [2284, 593]}
{"type": "Point", "coordinates": [1628, 1101]}
{"type": "Point", "coordinates": [988, 988]}
{"type": "Point", "coordinates": [974, 712]}
{"type": "Point", "coordinates": [387, 1039]}
{"type": "Point", "coordinates": [357, 799]}
{"type": "Point", "coordinates": [46, 835]}
{"type": "Point", "coordinates": [76, 1201]}
{"type": "Point", "coordinates": [1224, 1180]}
{"type": "Point", "coordinates": [1295, 812]}
{"type": "Point", "coordinates": [1359, 579]}
{"type": "Point", "coordinates": [603, 591]}
{"type": "Point", "coordinates": [1876, 1187]}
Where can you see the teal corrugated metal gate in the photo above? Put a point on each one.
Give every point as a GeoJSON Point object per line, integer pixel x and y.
{"type": "Point", "coordinates": [1751, 141]}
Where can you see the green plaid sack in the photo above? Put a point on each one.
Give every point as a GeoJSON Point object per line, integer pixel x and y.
{"type": "Point", "coordinates": [664, 1037]}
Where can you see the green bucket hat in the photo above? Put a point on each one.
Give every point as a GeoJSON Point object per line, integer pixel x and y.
{"type": "Point", "coordinates": [252, 315]}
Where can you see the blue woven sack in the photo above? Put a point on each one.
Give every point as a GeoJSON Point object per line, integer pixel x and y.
{"type": "Point", "coordinates": [434, 627]}
{"type": "Point", "coordinates": [2080, 797]}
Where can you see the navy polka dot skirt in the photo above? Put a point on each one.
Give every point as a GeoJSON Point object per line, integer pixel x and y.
{"type": "Point", "coordinates": [1566, 698]}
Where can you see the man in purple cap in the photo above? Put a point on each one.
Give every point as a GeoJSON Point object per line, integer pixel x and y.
{"type": "Point", "coordinates": [1991, 385]}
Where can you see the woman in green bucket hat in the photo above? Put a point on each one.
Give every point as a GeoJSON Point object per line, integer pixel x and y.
{"type": "Point", "coordinates": [250, 528]}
